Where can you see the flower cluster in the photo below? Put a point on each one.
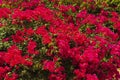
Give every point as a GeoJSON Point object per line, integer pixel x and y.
{"type": "Point", "coordinates": [52, 40]}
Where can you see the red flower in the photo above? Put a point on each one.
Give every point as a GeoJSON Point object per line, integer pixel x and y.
{"type": "Point", "coordinates": [41, 31]}
{"type": "Point", "coordinates": [91, 55]}
{"type": "Point", "coordinates": [57, 77]}
{"type": "Point", "coordinates": [3, 71]}
{"type": "Point", "coordinates": [49, 65]}
{"type": "Point", "coordinates": [92, 77]}
{"type": "Point", "coordinates": [79, 74]}
{"type": "Point", "coordinates": [79, 38]}
{"type": "Point", "coordinates": [31, 47]}
{"type": "Point", "coordinates": [13, 56]}
{"type": "Point", "coordinates": [18, 37]}
{"type": "Point", "coordinates": [12, 77]}
{"type": "Point", "coordinates": [2, 58]}
{"type": "Point", "coordinates": [46, 39]}
{"type": "Point", "coordinates": [5, 12]}
{"type": "Point", "coordinates": [29, 31]}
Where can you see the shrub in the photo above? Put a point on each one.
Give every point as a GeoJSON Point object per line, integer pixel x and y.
{"type": "Point", "coordinates": [59, 40]}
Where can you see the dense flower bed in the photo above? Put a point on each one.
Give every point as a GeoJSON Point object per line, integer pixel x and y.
{"type": "Point", "coordinates": [59, 40]}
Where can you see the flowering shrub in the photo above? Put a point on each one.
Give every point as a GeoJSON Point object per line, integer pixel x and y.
{"type": "Point", "coordinates": [59, 40]}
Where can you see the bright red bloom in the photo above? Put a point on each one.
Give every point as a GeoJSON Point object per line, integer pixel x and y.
{"type": "Point", "coordinates": [46, 39]}
{"type": "Point", "coordinates": [12, 77]}
{"type": "Point", "coordinates": [57, 77]}
{"type": "Point", "coordinates": [41, 31]}
{"type": "Point", "coordinates": [3, 71]}
{"type": "Point", "coordinates": [13, 56]}
{"type": "Point", "coordinates": [2, 58]}
{"type": "Point", "coordinates": [92, 77]}
{"type": "Point", "coordinates": [79, 74]}
{"type": "Point", "coordinates": [5, 12]}
{"type": "Point", "coordinates": [29, 31]}
{"type": "Point", "coordinates": [91, 55]}
{"type": "Point", "coordinates": [49, 65]}
{"type": "Point", "coordinates": [31, 47]}
{"type": "Point", "coordinates": [79, 38]}
{"type": "Point", "coordinates": [18, 37]}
